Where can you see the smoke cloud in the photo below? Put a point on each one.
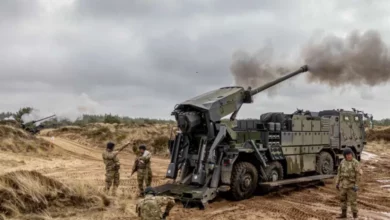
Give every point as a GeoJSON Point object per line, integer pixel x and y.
{"type": "Point", "coordinates": [35, 114]}
{"type": "Point", "coordinates": [10, 118]}
{"type": "Point", "coordinates": [256, 69]}
{"type": "Point", "coordinates": [82, 104]}
{"type": "Point", "coordinates": [358, 59]}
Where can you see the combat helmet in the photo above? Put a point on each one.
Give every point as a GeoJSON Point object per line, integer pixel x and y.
{"type": "Point", "coordinates": [347, 151]}
{"type": "Point", "coordinates": [149, 190]}
{"type": "Point", "coordinates": [110, 146]}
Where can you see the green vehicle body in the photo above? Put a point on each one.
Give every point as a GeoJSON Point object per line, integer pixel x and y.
{"type": "Point", "coordinates": [208, 156]}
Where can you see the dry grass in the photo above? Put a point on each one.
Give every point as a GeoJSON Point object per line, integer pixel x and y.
{"type": "Point", "coordinates": [378, 134]}
{"type": "Point", "coordinates": [378, 147]}
{"type": "Point", "coordinates": [11, 123]}
{"type": "Point", "coordinates": [160, 144]}
{"type": "Point", "coordinates": [155, 136]}
{"type": "Point", "coordinates": [31, 195]}
{"type": "Point", "coordinates": [17, 140]}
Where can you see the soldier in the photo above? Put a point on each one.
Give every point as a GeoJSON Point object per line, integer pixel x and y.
{"type": "Point", "coordinates": [144, 170]}
{"type": "Point", "coordinates": [347, 182]}
{"type": "Point", "coordinates": [149, 208]}
{"type": "Point", "coordinates": [112, 166]}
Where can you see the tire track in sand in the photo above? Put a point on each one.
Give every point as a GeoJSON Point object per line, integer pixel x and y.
{"type": "Point", "coordinates": [319, 203]}
{"type": "Point", "coordinates": [88, 166]}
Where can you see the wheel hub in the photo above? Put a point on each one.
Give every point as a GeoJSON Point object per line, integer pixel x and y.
{"type": "Point", "coordinates": [274, 176]}
{"type": "Point", "coordinates": [246, 182]}
{"type": "Point", "coordinates": [325, 166]}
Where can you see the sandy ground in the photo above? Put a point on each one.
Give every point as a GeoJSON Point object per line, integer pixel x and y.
{"type": "Point", "coordinates": [71, 162]}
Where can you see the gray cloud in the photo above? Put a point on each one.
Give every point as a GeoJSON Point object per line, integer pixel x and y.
{"type": "Point", "coordinates": [18, 10]}
{"type": "Point", "coordinates": [140, 58]}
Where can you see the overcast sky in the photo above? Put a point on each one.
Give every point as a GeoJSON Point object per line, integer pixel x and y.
{"type": "Point", "coordinates": [141, 57]}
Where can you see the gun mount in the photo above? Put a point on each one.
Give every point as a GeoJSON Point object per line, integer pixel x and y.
{"type": "Point", "coordinates": [35, 129]}
{"type": "Point", "coordinates": [203, 112]}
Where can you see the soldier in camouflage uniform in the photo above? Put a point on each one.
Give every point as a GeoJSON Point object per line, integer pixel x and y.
{"type": "Point", "coordinates": [149, 208]}
{"type": "Point", "coordinates": [347, 182]}
{"type": "Point", "coordinates": [144, 170]}
{"type": "Point", "coordinates": [112, 167]}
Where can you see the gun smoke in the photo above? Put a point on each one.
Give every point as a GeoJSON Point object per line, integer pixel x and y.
{"type": "Point", "coordinates": [358, 59]}
{"type": "Point", "coordinates": [33, 116]}
{"type": "Point", "coordinates": [10, 118]}
{"type": "Point", "coordinates": [83, 104]}
{"type": "Point", "coordinates": [257, 69]}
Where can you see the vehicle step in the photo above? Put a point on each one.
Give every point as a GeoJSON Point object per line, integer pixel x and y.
{"type": "Point", "coordinates": [296, 180]}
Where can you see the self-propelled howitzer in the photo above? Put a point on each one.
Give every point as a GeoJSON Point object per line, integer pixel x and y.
{"type": "Point", "coordinates": [205, 150]}
{"type": "Point", "coordinates": [32, 128]}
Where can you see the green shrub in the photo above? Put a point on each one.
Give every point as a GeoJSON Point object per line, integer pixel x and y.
{"type": "Point", "coordinates": [160, 144]}
{"type": "Point", "coordinates": [100, 134]}
{"type": "Point", "coordinates": [111, 119]}
{"type": "Point", "coordinates": [121, 137]}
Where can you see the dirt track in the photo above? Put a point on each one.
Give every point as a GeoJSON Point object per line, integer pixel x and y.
{"type": "Point", "coordinates": [72, 162]}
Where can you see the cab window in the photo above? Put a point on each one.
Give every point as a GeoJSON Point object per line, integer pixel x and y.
{"type": "Point", "coordinates": [346, 118]}
{"type": "Point", "coordinates": [357, 118]}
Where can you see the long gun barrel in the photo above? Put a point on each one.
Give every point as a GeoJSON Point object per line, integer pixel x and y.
{"type": "Point", "coordinates": [43, 119]}
{"type": "Point", "coordinates": [303, 69]}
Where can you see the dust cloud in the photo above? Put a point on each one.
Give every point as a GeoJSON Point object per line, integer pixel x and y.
{"type": "Point", "coordinates": [357, 59]}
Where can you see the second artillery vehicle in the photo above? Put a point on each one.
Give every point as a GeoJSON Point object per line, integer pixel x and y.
{"type": "Point", "coordinates": [208, 156]}
{"type": "Point", "coordinates": [32, 127]}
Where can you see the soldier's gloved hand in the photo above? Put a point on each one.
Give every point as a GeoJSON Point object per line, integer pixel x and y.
{"type": "Point", "coordinates": [165, 215]}
{"type": "Point", "coordinates": [337, 187]}
{"type": "Point", "coordinates": [355, 188]}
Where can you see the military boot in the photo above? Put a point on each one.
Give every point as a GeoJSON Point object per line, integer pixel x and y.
{"type": "Point", "coordinates": [343, 214]}
{"type": "Point", "coordinates": [355, 215]}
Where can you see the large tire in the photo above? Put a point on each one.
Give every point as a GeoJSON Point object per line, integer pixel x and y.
{"type": "Point", "coordinates": [244, 181]}
{"type": "Point", "coordinates": [274, 171]}
{"type": "Point", "coordinates": [325, 163]}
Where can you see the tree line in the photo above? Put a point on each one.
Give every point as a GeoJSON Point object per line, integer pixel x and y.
{"type": "Point", "coordinates": [111, 119]}
{"type": "Point", "coordinates": [83, 119]}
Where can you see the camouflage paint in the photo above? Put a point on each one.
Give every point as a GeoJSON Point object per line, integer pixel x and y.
{"type": "Point", "coordinates": [351, 131]}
